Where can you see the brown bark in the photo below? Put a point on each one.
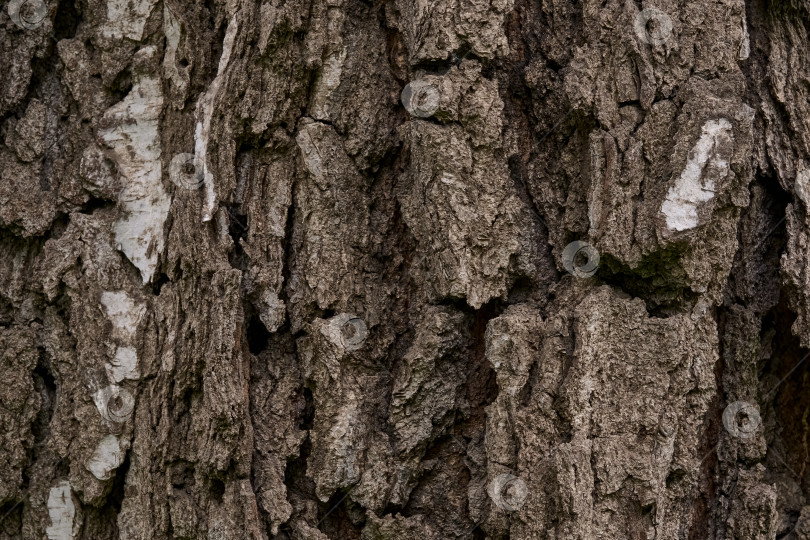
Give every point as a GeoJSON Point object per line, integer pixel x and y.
{"type": "Point", "coordinates": [413, 269]}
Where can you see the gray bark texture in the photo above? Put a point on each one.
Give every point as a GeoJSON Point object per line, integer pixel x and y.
{"type": "Point", "coordinates": [404, 269]}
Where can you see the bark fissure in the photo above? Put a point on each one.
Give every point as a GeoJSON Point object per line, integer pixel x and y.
{"type": "Point", "coordinates": [401, 270]}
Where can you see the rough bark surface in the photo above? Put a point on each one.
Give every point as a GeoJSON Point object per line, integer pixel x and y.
{"type": "Point", "coordinates": [404, 269]}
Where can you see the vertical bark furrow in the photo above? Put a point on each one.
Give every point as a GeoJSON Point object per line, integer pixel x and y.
{"type": "Point", "coordinates": [320, 269]}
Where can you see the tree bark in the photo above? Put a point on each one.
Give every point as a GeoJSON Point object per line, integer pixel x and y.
{"type": "Point", "coordinates": [334, 269]}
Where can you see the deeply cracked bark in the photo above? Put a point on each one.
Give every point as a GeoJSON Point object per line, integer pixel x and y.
{"type": "Point", "coordinates": [298, 270]}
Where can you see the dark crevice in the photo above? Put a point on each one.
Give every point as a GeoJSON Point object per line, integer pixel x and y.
{"type": "Point", "coordinates": [482, 386]}
{"type": "Point", "coordinates": [121, 85]}
{"type": "Point", "coordinates": [785, 376]}
{"type": "Point", "coordinates": [237, 229]}
{"type": "Point", "coordinates": [287, 249]}
{"type": "Point", "coordinates": [257, 335]}
{"type": "Point", "coordinates": [522, 290]}
{"type": "Point", "coordinates": [654, 280]}
{"type": "Point", "coordinates": [157, 285]}
{"type": "Point", "coordinates": [45, 385]}
{"type": "Point", "coordinates": [116, 497]}
{"type": "Point", "coordinates": [7, 311]}
{"type": "Point", "coordinates": [443, 66]}
{"type": "Point", "coordinates": [11, 514]}
{"type": "Point", "coordinates": [102, 521]}
{"type": "Point", "coordinates": [479, 534]}
{"type": "Point", "coordinates": [755, 284]}
{"type": "Point", "coordinates": [217, 40]}
{"type": "Point", "coordinates": [525, 395]}
{"type": "Point", "coordinates": [395, 50]}
{"type": "Point", "coordinates": [45, 87]}
{"type": "Point", "coordinates": [129, 267]}
{"type": "Point", "coordinates": [95, 203]}
{"type": "Point", "coordinates": [308, 414]}
{"type": "Point", "coordinates": [340, 518]}
{"type": "Point", "coordinates": [182, 475]}
{"type": "Point", "coordinates": [519, 174]}
{"type": "Point", "coordinates": [216, 488]}
{"type": "Point", "coordinates": [449, 451]}
{"type": "Point", "coordinates": [299, 485]}
{"type": "Point", "coordinates": [762, 236]}
{"type": "Point", "coordinates": [182, 404]}
{"type": "Point", "coordinates": [559, 403]}
{"type": "Point", "coordinates": [67, 20]}
{"type": "Point", "coordinates": [459, 304]}
{"type": "Point", "coordinates": [702, 505]}
{"type": "Point", "coordinates": [58, 227]}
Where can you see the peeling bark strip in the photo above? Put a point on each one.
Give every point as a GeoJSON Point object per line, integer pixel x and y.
{"type": "Point", "coordinates": [62, 513]}
{"type": "Point", "coordinates": [412, 270]}
{"type": "Point", "coordinates": [131, 130]}
{"type": "Point", "coordinates": [205, 112]}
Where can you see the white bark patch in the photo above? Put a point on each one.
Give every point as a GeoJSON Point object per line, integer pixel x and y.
{"type": "Point", "coordinates": [127, 18]}
{"type": "Point", "coordinates": [62, 512]}
{"type": "Point", "coordinates": [108, 456]}
{"type": "Point", "coordinates": [124, 365]}
{"type": "Point", "coordinates": [144, 203]}
{"type": "Point", "coordinates": [124, 313]}
{"type": "Point", "coordinates": [705, 166]}
{"type": "Point", "coordinates": [204, 114]}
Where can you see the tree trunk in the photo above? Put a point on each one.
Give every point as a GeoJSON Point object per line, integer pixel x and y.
{"type": "Point", "coordinates": [333, 269]}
